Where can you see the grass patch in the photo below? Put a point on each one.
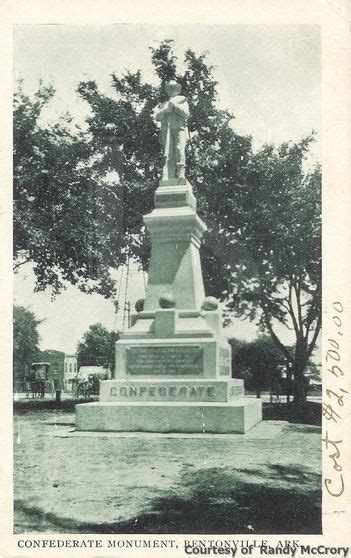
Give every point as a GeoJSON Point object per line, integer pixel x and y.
{"type": "Point", "coordinates": [244, 484]}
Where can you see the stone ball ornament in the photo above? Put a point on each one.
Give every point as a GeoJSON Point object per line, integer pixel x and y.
{"type": "Point", "coordinates": [167, 300]}
{"type": "Point", "coordinates": [210, 304]}
{"type": "Point", "coordinates": [139, 305]}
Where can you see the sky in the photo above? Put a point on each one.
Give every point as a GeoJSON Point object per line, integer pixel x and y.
{"type": "Point", "coordinates": [268, 77]}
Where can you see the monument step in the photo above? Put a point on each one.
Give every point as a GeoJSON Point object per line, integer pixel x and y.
{"type": "Point", "coordinates": [171, 390]}
{"type": "Point", "coordinates": [238, 416]}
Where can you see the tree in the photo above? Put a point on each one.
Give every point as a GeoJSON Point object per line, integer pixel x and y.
{"type": "Point", "coordinates": [259, 362]}
{"type": "Point", "coordinates": [97, 347]}
{"type": "Point", "coordinates": [277, 278]}
{"type": "Point", "coordinates": [25, 342]}
{"type": "Point", "coordinates": [62, 222]}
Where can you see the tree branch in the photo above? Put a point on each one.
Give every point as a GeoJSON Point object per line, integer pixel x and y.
{"type": "Point", "coordinates": [18, 264]}
{"type": "Point", "coordinates": [297, 290]}
{"type": "Point", "coordinates": [276, 339]}
{"type": "Point", "coordinates": [315, 336]}
{"type": "Point", "coordinates": [313, 311]}
{"type": "Point", "coordinates": [292, 314]}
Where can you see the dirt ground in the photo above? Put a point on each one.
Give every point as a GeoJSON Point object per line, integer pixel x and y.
{"type": "Point", "coordinates": [267, 481]}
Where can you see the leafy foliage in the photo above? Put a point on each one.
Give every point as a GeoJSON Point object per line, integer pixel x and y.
{"type": "Point", "coordinates": [278, 276]}
{"type": "Point", "coordinates": [259, 362]}
{"type": "Point", "coordinates": [25, 342]}
{"type": "Point", "coordinates": [62, 221]}
{"type": "Point", "coordinates": [87, 387]}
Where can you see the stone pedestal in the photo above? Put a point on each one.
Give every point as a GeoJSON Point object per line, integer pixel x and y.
{"type": "Point", "coordinates": [176, 231]}
{"type": "Point", "coordinates": [173, 366]}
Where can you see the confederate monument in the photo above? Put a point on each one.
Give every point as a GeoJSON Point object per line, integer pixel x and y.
{"type": "Point", "coordinates": [173, 366]}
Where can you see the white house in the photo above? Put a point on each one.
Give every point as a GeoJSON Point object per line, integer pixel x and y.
{"type": "Point", "coordinates": [86, 371]}
{"type": "Point", "coordinates": [70, 370]}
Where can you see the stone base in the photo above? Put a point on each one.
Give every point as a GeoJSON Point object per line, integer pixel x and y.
{"type": "Point", "coordinates": [237, 416]}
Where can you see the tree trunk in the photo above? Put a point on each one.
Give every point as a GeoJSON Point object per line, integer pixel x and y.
{"type": "Point", "coordinates": [289, 383]}
{"type": "Point", "coordinates": [300, 392]}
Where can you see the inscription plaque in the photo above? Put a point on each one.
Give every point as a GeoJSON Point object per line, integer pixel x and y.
{"type": "Point", "coordinates": [165, 360]}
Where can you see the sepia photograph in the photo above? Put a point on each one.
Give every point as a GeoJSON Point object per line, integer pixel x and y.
{"type": "Point", "coordinates": [167, 305]}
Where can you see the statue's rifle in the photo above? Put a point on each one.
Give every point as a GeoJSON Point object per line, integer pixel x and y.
{"type": "Point", "coordinates": [166, 153]}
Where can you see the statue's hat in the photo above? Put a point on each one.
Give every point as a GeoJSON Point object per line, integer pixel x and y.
{"type": "Point", "coordinates": [172, 86]}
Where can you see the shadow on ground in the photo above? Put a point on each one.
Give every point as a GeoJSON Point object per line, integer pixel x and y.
{"type": "Point", "coordinates": [66, 405]}
{"type": "Point", "coordinates": [309, 412]}
{"type": "Point", "coordinates": [282, 500]}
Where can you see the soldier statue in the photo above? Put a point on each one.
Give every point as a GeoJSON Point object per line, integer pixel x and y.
{"type": "Point", "coordinates": [173, 115]}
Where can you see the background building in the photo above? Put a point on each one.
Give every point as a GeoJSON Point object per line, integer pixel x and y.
{"type": "Point", "coordinates": [63, 368]}
{"type": "Point", "coordinates": [56, 361]}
